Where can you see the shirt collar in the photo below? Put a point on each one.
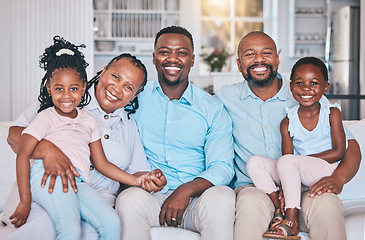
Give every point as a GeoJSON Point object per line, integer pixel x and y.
{"type": "Point", "coordinates": [186, 98]}
{"type": "Point", "coordinates": [281, 95]}
{"type": "Point", "coordinates": [94, 106]}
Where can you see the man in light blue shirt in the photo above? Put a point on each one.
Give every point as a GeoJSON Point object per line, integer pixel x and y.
{"type": "Point", "coordinates": [187, 134]}
{"type": "Point", "coordinates": [256, 107]}
{"type": "Point", "coordinates": [264, 136]}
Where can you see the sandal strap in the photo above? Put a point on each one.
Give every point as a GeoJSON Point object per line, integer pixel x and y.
{"type": "Point", "coordinates": [278, 217]}
{"type": "Point", "coordinates": [285, 225]}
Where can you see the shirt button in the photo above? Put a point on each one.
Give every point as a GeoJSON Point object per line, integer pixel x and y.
{"type": "Point", "coordinates": [168, 158]}
{"type": "Point", "coordinates": [106, 116]}
{"type": "Point", "coordinates": [265, 126]}
{"type": "Point", "coordinates": [106, 136]}
{"type": "Point", "coordinates": [92, 167]}
{"type": "Point", "coordinates": [166, 141]}
{"type": "Point", "coordinates": [168, 122]}
{"type": "Point", "coordinates": [268, 147]}
{"type": "Point", "coordinates": [264, 105]}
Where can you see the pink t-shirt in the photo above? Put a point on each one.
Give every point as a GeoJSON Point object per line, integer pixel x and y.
{"type": "Point", "coordinates": [71, 135]}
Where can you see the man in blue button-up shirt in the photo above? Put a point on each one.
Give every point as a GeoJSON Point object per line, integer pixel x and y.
{"type": "Point", "coordinates": [187, 134]}
{"type": "Point", "coordinates": [256, 107]}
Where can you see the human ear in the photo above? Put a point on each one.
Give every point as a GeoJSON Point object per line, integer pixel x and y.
{"type": "Point", "coordinates": [134, 97]}
{"type": "Point", "coordinates": [239, 64]}
{"type": "Point", "coordinates": [326, 88]}
{"type": "Point", "coordinates": [48, 88]}
{"type": "Point", "coordinates": [83, 88]}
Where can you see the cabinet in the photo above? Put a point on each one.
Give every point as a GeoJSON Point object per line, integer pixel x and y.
{"type": "Point", "coordinates": [131, 25]}
{"type": "Point", "coordinates": [308, 23]}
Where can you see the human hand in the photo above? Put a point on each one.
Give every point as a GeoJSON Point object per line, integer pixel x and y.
{"type": "Point", "coordinates": [56, 163]}
{"type": "Point", "coordinates": [155, 182]}
{"type": "Point", "coordinates": [20, 215]}
{"type": "Point", "coordinates": [330, 184]}
{"type": "Point", "coordinates": [173, 208]}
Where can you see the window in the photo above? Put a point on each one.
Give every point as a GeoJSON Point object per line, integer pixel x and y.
{"type": "Point", "coordinates": [224, 23]}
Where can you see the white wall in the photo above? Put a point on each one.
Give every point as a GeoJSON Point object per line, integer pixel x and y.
{"type": "Point", "coordinates": [27, 29]}
{"type": "Point", "coordinates": [362, 56]}
{"type": "Point", "coordinates": [5, 60]}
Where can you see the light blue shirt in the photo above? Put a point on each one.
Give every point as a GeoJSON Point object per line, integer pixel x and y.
{"type": "Point", "coordinates": [187, 138]}
{"type": "Point", "coordinates": [256, 124]}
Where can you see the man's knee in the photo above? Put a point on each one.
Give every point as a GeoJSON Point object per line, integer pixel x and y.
{"type": "Point", "coordinates": [219, 196]}
{"type": "Point", "coordinates": [250, 197]}
{"type": "Point", "coordinates": [327, 206]}
{"type": "Point", "coordinates": [130, 200]}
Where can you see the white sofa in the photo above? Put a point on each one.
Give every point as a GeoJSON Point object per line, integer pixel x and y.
{"type": "Point", "coordinates": [352, 196]}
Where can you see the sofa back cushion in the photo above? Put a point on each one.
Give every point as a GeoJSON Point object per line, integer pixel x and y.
{"type": "Point", "coordinates": [355, 189]}
{"type": "Point", "coordinates": [7, 165]}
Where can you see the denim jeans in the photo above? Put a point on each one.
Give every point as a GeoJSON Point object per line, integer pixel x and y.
{"type": "Point", "coordinates": [67, 209]}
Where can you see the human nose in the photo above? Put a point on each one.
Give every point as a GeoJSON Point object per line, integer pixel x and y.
{"type": "Point", "coordinates": [66, 93]}
{"type": "Point", "coordinates": [117, 87]}
{"type": "Point", "coordinates": [259, 58]}
{"type": "Point", "coordinates": [173, 56]}
{"type": "Point", "coordinates": [306, 87]}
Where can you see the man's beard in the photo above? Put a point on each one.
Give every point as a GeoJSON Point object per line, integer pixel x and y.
{"type": "Point", "coordinates": [260, 82]}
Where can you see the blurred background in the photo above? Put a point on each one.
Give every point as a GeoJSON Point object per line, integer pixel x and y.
{"type": "Point", "coordinates": [333, 30]}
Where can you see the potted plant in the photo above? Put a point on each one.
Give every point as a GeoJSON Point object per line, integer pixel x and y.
{"type": "Point", "coordinates": [215, 58]}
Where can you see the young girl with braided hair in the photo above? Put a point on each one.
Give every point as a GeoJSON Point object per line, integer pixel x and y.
{"type": "Point", "coordinates": [61, 121]}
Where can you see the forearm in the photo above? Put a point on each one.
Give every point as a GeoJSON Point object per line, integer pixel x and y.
{"type": "Point", "coordinates": [23, 178]}
{"type": "Point", "coordinates": [350, 164]}
{"type": "Point", "coordinates": [196, 187]}
{"type": "Point", "coordinates": [110, 170]}
{"type": "Point", "coordinates": [13, 139]}
{"type": "Point", "coordinates": [331, 156]}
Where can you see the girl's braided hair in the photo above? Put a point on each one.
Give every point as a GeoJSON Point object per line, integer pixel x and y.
{"type": "Point", "coordinates": [62, 54]}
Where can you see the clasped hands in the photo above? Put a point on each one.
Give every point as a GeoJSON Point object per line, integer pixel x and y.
{"type": "Point", "coordinates": [153, 181]}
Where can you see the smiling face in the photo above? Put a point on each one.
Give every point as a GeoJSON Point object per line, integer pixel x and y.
{"type": "Point", "coordinates": [258, 61]}
{"type": "Point", "coordinates": [173, 58]}
{"type": "Point", "coordinates": [308, 84]}
{"type": "Point", "coordinates": [118, 85]}
{"type": "Point", "coordinates": [66, 89]}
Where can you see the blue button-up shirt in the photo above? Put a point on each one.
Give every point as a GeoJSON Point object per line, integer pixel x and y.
{"type": "Point", "coordinates": [256, 124]}
{"type": "Point", "coordinates": [187, 138]}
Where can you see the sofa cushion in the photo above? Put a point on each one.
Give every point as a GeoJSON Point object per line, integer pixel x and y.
{"type": "Point", "coordinates": [7, 163]}
{"type": "Point", "coordinates": [167, 233]}
{"type": "Point", "coordinates": [354, 189]}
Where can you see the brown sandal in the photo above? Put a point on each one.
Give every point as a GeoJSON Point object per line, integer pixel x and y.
{"type": "Point", "coordinates": [278, 217]}
{"type": "Point", "coordinates": [283, 231]}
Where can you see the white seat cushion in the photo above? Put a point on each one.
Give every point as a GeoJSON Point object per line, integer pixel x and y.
{"type": "Point", "coordinates": [168, 233]}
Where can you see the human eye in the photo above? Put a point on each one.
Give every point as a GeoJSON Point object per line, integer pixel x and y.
{"type": "Point", "coordinates": [74, 88]}
{"type": "Point", "coordinates": [248, 54]}
{"type": "Point", "coordinates": [267, 53]}
{"type": "Point", "coordinates": [129, 88]}
{"type": "Point", "coordinates": [182, 53]}
{"type": "Point", "coordinates": [115, 77]}
{"type": "Point", "coordinates": [298, 83]}
{"type": "Point", "coordinates": [59, 89]}
{"type": "Point", "coordinates": [314, 83]}
{"type": "Point", "coordinates": [163, 52]}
